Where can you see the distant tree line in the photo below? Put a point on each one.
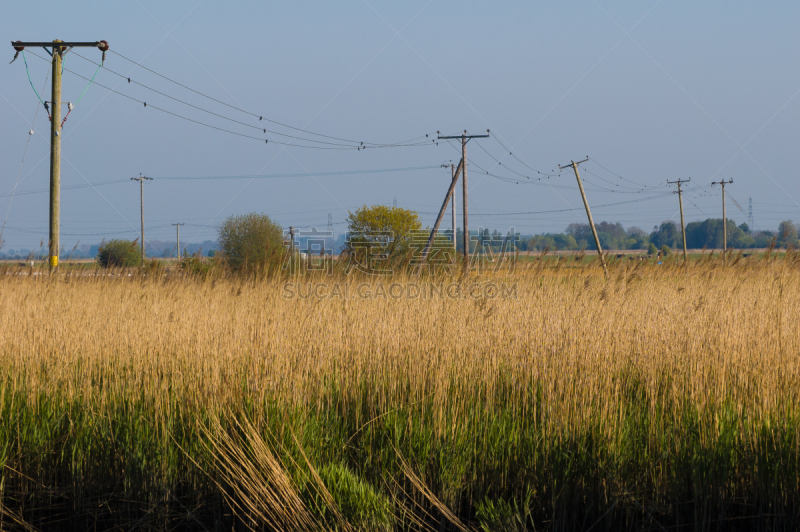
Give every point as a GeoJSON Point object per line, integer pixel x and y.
{"type": "Point", "coordinates": [706, 234]}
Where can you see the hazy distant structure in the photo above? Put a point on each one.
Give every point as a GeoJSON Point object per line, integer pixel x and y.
{"type": "Point", "coordinates": [330, 240]}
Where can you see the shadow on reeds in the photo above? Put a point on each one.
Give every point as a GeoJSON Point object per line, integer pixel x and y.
{"type": "Point", "coordinates": [422, 466]}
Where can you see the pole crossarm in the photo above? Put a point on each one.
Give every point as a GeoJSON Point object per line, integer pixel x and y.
{"type": "Point", "coordinates": [95, 44]}
{"type": "Point", "coordinates": [723, 182]}
{"type": "Point", "coordinates": [560, 167]}
{"type": "Point", "coordinates": [459, 137]}
{"type": "Point", "coordinates": [465, 138]}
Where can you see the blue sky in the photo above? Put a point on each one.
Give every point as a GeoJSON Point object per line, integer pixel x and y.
{"type": "Point", "coordinates": [652, 91]}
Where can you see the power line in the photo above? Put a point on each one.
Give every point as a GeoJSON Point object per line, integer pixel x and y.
{"type": "Point", "coordinates": [209, 178]}
{"type": "Point", "coordinates": [520, 160]}
{"type": "Point", "coordinates": [615, 174]}
{"type": "Point", "coordinates": [68, 187]}
{"type": "Point", "coordinates": [565, 210]}
{"type": "Point", "coordinates": [304, 174]}
{"type": "Point", "coordinates": [144, 103]}
{"type": "Point", "coordinates": [500, 163]}
{"type": "Point", "coordinates": [350, 144]}
{"type": "Point", "coordinates": [22, 163]}
{"type": "Point", "coordinates": [528, 181]}
{"type": "Point", "coordinates": [631, 189]}
{"type": "Point", "coordinates": [261, 117]}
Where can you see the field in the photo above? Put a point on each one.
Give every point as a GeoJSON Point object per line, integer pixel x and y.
{"type": "Point", "coordinates": [666, 398]}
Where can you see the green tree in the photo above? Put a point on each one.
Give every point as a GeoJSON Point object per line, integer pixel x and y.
{"type": "Point", "coordinates": [764, 239]}
{"type": "Point", "coordinates": [381, 230]}
{"type": "Point", "coordinates": [554, 241]}
{"type": "Point", "coordinates": [119, 253]}
{"type": "Point", "coordinates": [582, 234]}
{"type": "Point", "coordinates": [636, 239]}
{"type": "Point", "coordinates": [563, 241]}
{"type": "Point", "coordinates": [708, 234]}
{"type": "Point", "coordinates": [787, 233]}
{"type": "Point", "coordinates": [251, 241]}
{"type": "Point", "coordinates": [667, 234]}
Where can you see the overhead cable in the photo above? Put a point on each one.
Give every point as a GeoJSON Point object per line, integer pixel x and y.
{"type": "Point", "coordinates": [260, 117]}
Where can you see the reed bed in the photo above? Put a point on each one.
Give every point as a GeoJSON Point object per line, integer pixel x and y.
{"type": "Point", "coordinates": [663, 399]}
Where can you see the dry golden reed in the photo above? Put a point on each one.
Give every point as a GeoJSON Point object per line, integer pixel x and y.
{"type": "Point", "coordinates": [476, 395]}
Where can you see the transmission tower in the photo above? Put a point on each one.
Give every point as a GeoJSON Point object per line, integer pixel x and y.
{"type": "Point", "coordinates": [750, 215]}
{"type": "Point", "coordinates": [394, 202]}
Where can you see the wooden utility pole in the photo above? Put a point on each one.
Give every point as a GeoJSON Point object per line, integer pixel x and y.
{"type": "Point", "coordinates": [450, 192]}
{"type": "Point", "coordinates": [679, 182]}
{"type": "Point", "coordinates": [574, 166]}
{"type": "Point", "coordinates": [141, 179]}
{"type": "Point", "coordinates": [724, 218]}
{"type": "Point", "coordinates": [55, 156]}
{"type": "Point", "coordinates": [453, 199]}
{"type": "Point", "coordinates": [464, 138]}
{"type": "Point", "coordinates": [465, 205]}
{"type": "Point", "coordinates": [57, 50]}
{"type": "Point", "coordinates": [178, 249]}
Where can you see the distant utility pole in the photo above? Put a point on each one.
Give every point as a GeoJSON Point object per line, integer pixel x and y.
{"type": "Point", "coordinates": [330, 230]}
{"type": "Point", "coordinates": [453, 210]}
{"type": "Point", "coordinates": [394, 202]}
{"type": "Point", "coordinates": [679, 182]}
{"type": "Point", "coordinates": [724, 219]}
{"type": "Point", "coordinates": [464, 138]}
{"type": "Point", "coordinates": [57, 50]}
{"type": "Point", "coordinates": [141, 179]}
{"type": "Point", "coordinates": [750, 221]}
{"type": "Point", "coordinates": [574, 166]}
{"type": "Point", "coordinates": [178, 249]}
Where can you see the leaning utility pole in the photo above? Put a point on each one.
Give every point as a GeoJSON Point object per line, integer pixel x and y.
{"type": "Point", "coordinates": [679, 182]}
{"type": "Point", "coordinates": [724, 219]}
{"type": "Point", "coordinates": [574, 166]}
{"type": "Point", "coordinates": [57, 50]}
{"type": "Point", "coordinates": [450, 192]}
{"type": "Point", "coordinates": [178, 249]}
{"type": "Point", "coordinates": [141, 179]}
{"type": "Point", "coordinates": [453, 210]}
{"type": "Point", "coordinates": [464, 138]}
